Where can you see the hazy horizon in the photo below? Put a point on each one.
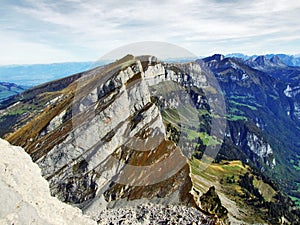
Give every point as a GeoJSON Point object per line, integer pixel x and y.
{"type": "Point", "coordinates": [110, 60]}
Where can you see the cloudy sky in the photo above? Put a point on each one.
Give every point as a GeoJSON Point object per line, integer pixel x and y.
{"type": "Point", "coordinates": [43, 31]}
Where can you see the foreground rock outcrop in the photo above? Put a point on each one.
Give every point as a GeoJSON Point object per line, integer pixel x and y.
{"type": "Point", "coordinates": [25, 196]}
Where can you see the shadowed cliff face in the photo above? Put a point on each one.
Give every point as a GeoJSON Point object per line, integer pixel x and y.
{"type": "Point", "coordinates": [262, 99]}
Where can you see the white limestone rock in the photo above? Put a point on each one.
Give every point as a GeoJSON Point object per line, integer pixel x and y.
{"type": "Point", "coordinates": [25, 195]}
{"type": "Point", "coordinates": [258, 146]}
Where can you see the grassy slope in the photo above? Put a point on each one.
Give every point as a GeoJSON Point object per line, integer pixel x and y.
{"type": "Point", "coordinates": [225, 177]}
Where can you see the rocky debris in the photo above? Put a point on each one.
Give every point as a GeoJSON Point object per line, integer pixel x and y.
{"type": "Point", "coordinates": [25, 195]}
{"type": "Point", "coordinates": [154, 214]}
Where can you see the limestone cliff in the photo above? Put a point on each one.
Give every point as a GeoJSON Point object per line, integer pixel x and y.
{"type": "Point", "coordinates": [101, 142]}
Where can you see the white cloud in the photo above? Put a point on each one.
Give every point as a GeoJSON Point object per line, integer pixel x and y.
{"type": "Point", "coordinates": [75, 26]}
{"type": "Point", "coordinates": [17, 51]}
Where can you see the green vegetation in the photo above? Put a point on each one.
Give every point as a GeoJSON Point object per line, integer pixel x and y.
{"type": "Point", "coordinates": [181, 116]}
{"type": "Point", "coordinates": [219, 171]}
{"type": "Point", "coordinates": [246, 99]}
{"type": "Point", "coordinates": [242, 104]}
{"type": "Point", "coordinates": [265, 189]}
{"type": "Point", "coordinates": [18, 111]}
{"type": "Point", "coordinates": [242, 97]}
{"type": "Point", "coordinates": [235, 113]}
{"type": "Point", "coordinates": [236, 117]}
{"type": "Point", "coordinates": [296, 162]}
{"type": "Point", "coordinates": [246, 181]}
{"type": "Point", "coordinates": [295, 200]}
{"type": "Point", "coordinates": [203, 112]}
{"type": "Point", "coordinates": [189, 121]}
{"type": "Point", "coordinates": [297, 167]}
{"type": "Point", "coordinates": [256, 199]}
{"type": "Point", "coordinates": [233, 110]}
{"type": "Point", "coordinates": [205, 138]}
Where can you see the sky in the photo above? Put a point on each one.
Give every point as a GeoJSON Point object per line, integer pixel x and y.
{"type": "Point", "coordinates": [47, 31]}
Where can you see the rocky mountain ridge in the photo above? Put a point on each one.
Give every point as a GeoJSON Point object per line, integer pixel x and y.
{"type": "Point", "coordinates": [136, 131]}
{"type": "Point", "coordinates": [65, 174]}
{"type": "Point", "coordinates": [288, 60]}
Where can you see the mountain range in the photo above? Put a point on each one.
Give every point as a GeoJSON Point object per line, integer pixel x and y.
{"type": "Point", "coordinates": [219, 135]}
{"type": "Point", "coordinates": [26, 76]}
{"type": "Point", "coordinates": [8, 89]}
{"type": "Point", "coordinates": [289, 60]}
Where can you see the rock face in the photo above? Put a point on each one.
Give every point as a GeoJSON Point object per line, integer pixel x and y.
{"type": "Point", "coordinates": [101, 141]}
{"type": "Point", "coordinates": [293, 93]}
{"type": "Point", "coordinates": [258, 147]}
{"type": "Point", "coordinates": [117, 146]}
{"type": "Point", "coordinates": [25, 194]}
{"type": "Point", "coordinates": [211, 203]}
{"type": "Point", "coordinates": [253, 143]}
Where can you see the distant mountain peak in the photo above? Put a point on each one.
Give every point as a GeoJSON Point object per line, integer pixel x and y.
{"type": "Point", "coordinates": [262, 60]}
{"type": "Point", "coordinates": [215, 58]}
{"type": "Point", "coordinates": [218, 57]}
{"type": "Point", "coordinates": [276, 60]}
